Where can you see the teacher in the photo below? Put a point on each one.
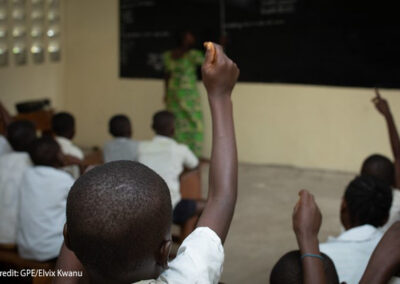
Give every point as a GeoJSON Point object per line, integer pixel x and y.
{"type": "Point", "coordinates": [181, 95]}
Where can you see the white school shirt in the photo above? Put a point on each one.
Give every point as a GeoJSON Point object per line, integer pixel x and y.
{"type": "Point", "coordinates": [199, 260]}
{"type": "Point", "coordinates": [12, 168]}
{"type": "Point", "coordinates": [121, 148]}
{"type": "Point", "coordinates": [42, 216]}
{"type": "Point", "coordinates": [351, 251]}
{"type": "Point", "coordinates": [394, 214]}
{"type": "Point", "coordinates": [168, 159]}
{"type": "Point", "coordinates": [4, 146]}
{"type": "Point", "coordinates": [68, 148]}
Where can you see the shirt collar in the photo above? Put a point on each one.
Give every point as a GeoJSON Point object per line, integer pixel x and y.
{"type": "Point", "coordinates": [64, 140]}
{"type": "Point", "coordinates": [163, 138]}
{"type": "Point", "coordinates": [359, 234]}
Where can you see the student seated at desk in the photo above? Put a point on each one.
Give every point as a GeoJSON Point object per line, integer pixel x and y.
{"type": "Point", "coordinates": [122, 147]}
{"type": "Point", "coordinates": [365, 208]}
{"type": "Point", "coordinates": [43, 195]}
{"type": "Point", "coordinates": [63, 126]}
{"type": "Point", "coordinates": [168, 158]}
{"type": "Point", "coordinates": [12, 167]}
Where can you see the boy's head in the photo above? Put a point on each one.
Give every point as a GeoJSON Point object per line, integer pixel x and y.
{"type": "Point", "coordinates": [120, 126]}
{"type": "Point", "coordinates": [63, 124]}
{"type": "Point", "coordinates": [379, 167]}
{"type": "Point", "coordinates": [367, 200]}
{"type": "Point", "coordinates": [118, 222]}
{"type": "Point", "coordinates": [21, 134]}
{"type": "Point", "coordinates": [164, 123]}
{"type": "Point", "coordinates": [289, 270]}
{"type": "Point", "coordinates": [45, 151]}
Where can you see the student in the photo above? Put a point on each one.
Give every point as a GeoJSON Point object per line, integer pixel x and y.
{"type": "Point", "coordinates": [43, 194]}
{"type": "Point", "coordinates": [384, 265]}
{"type": "Point", "coordinates": [63, 126]}
{"type": "Point", "coordinates": [381, 167]}
{"type": "Point", "coordinates": [364, 209]}
{"type": "Point", "coordinates": [168, 158]}
{"type": "Point", "coordinates": [12, 167]}
{"type": "Point", "coordinates": [129, 237]}
{"type": "Point", "coordinates": [122, 147]}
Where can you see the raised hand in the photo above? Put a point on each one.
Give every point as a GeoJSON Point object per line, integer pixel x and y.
{"type": "Point", "coordinates": [307, 217]}
{"type": "Point", "coordinates": [381, 104]}
{"type": "Point", "coordinates": [219, 72]}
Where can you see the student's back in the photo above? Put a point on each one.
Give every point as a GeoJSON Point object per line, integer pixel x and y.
{"type": "Point", "coordinates": [12, 168]}
{"type": "Point", "coordinates": [365, 208]}
{"type": "Point", "coordinates": [43, 194]}
{"type": "Point", "coordinates": [167, 158]}
{"type": "Point", "coordinates": [121, 148]}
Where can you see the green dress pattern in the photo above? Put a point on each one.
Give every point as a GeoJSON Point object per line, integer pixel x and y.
{"type": "Point", "coordinates": [183, 98]}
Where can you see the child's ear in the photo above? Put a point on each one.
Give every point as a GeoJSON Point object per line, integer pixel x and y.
{"type": "Point", "coordinates": [66, 237]}
{"type": "Point", "coordinates": [163, 256]}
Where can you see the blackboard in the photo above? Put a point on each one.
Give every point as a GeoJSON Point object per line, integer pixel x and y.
{"type": "Point", "coordinates": [323, 42]}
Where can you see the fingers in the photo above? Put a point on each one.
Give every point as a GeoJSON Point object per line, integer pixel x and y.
{"type": "Point", "coordinates": [378, 95]}
{"type": "Point", "coordinates": [210, 52]}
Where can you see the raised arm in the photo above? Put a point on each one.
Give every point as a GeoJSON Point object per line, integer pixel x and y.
{"type": "Point", "coordinates": [219, 76]}
{"type": "Point", "coordinates": [383, 107]}
{"type": "Point", "coordinates": [385, 261]}
{"type": "Point", "coordinates": [306, 224]}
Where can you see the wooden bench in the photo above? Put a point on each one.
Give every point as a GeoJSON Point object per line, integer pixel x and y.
{"type": "Point", "coordinates": [9, 259]}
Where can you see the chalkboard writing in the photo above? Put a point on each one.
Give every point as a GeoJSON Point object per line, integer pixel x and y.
{"type": "Point", "coordinates": [329, 42]}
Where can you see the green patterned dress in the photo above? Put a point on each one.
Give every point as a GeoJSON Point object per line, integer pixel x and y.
{"type": "Point", "coordinates": [183, 98]}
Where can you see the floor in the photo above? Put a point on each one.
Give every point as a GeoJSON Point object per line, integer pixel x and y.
{"type": "Point", "coordinates": [261, 230]}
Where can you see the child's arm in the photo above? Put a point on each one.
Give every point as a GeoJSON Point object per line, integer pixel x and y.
{"type": "Point", "coordinates": [306, 224]}
{"type": "Point", "coordinates": [385, 261]}
{"type": "Point", "coordinates": [383, 107]}
{"type": "Point", "coordinates": [219, 77]}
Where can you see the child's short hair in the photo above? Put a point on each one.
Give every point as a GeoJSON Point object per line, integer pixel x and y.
{"type": "Point", "coordinates": [120, 126]}
{"type": "Point", "coordinates": [164, 122]}
{"type": "Point", "coordinates": [21, 134]}
{"type": "Point", "coordinates": [289, 270]}
{"type": "Point", "coordinates": [380, 167]}
{"type": "Point", "coordinates": [118, 215]}
{"type": "Point", "coordinates": [45, 151]}
{"type": "Point", "coordinates": [368, 201]}
{"type": "Point", "coordinates": [63, 124]}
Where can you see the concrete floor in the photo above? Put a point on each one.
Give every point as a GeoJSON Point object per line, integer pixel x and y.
{"type": "Point", "coordinates": [261, 230]}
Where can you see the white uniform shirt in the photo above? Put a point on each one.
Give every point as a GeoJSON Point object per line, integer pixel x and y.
{"type": "Point", "coordinates": [394, 215]}
{"type": "Point", "coordinates": [4, 146]}
{"type": "Point", "coordinates": [68, 148]}
{"type": "Point", "coordinates": [167, 158]}
{"type": "Point", "coordinates": [12, 167]}
{"type": "Point", "coordinates": [351, 251]}
{"type": "Point", "coordinates": [121, 148]}
{"type": "Point", "coordinates": [199, 260]}
{"type": "Point", "coordinates": [42, 214]}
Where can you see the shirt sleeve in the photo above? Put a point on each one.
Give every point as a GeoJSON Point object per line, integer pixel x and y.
{"type": "Point", "coordinates": [200, 259]}
{"type": "Point", "coordinates": [189, 158]}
